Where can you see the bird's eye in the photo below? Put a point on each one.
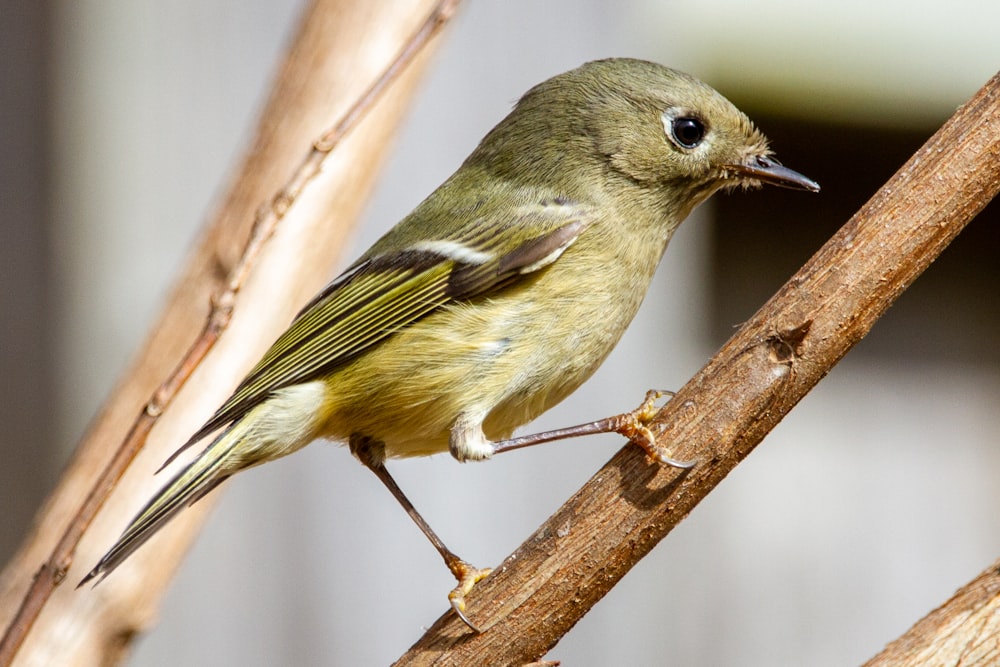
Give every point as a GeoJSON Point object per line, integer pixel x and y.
{"type": "Point", "coordinates": [687, 131]}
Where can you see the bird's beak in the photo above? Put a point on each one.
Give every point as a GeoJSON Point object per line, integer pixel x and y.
{"type": "Point", "coordinates": [768, 170]}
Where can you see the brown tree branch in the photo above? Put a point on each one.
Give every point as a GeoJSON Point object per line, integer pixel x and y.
{"type": "Point", "coordinates": [331, 56]}
{"type": "Point", "coordinates": [965, 631]}
{"type": "Point", "coordinates": [543, 588]}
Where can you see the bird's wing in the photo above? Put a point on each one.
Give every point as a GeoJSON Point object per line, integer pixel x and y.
{"type": "Point", "coordinates": [377, 297]}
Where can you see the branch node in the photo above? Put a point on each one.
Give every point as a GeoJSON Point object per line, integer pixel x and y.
{"type": "Point", "coordinates": [222, 301]}
{"type": "Point", "coordinates": [283, 201]}
{"type": "Point", "coordinates": [786, 344]}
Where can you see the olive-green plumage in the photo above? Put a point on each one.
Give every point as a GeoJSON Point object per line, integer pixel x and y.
{"type": "Point", "coordinates": [500, 293]}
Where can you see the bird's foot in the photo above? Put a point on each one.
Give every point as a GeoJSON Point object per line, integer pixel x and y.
{"type": "Point", "coordinates": [635, 426]}
{"type": "Point", "coordinates": [468, 576]}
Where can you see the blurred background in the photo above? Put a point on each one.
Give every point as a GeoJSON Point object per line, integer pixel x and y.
{"type": "Point", "coordinates": [866, 508]}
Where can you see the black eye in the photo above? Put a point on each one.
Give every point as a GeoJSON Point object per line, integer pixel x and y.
{"type": "Point", "coordinates": [688, 132]}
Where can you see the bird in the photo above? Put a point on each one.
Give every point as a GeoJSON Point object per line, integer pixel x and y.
{"type": "Point", "coordinates": [495, 298]}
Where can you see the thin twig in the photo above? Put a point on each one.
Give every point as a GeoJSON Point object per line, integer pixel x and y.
{"type": "Point", "coordinates": [53, 571]}
{"type": "Point", "coordinates": [535, 596]}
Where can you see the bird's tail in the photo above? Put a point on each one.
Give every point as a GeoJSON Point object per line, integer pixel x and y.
{"type": "Point", "coordinates": [200, 476]}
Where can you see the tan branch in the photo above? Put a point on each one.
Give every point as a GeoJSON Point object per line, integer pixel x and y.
{"type": "Point", "coordinates": [965, 631]}
{"type": "Point", "coordinates": [332, 61]}
{"type": "Point", "coordinates": [542, 589]}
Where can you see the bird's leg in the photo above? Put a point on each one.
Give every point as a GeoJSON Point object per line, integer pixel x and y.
{"type": "Point", "coordinates": [372, 455]}
{"type": "Point", "coordinates": [633, 425]}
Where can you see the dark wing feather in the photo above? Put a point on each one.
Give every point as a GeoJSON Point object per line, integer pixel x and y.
{"type": "Point", "coordinates": [369, 302]}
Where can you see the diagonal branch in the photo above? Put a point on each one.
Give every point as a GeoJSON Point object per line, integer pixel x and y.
{"type": "Point", "coordinates": [964, 631]}
{"type": "Point", "coordinates": [581, 552]}
{"type": "Point", "coordinates": [330, 43]}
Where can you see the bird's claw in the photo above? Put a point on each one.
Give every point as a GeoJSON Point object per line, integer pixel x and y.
{"type": "Point", "coordinates": [468, 576]}
{"type": "Point", "coordinates": [634, 426]}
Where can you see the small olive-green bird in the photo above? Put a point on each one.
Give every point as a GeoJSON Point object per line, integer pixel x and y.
{"type": "Point", "coordinates": [496, 297]}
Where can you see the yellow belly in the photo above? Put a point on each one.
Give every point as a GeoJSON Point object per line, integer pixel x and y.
{"type": "Point", "coordinates": [508, 360]}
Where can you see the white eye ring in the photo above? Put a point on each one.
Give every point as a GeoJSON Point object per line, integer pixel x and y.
{"type": "Point", "coordinates": [684, 129]}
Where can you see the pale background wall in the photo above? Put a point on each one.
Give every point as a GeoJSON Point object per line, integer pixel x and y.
{"type": "Point", "coordinates": [891, 501]}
